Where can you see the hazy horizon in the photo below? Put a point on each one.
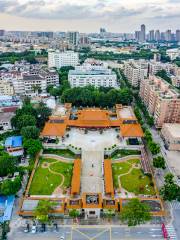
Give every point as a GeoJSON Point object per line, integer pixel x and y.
{"type": "Point", "coordinates": [89, 16]}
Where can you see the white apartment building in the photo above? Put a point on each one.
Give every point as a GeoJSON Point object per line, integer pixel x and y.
{"type": "Point", "coordinates": [96, 75]}
{"type": "Point", "coordinates": [6, 88]}
{"type": "Point", "coordinates": [61, 59]}
{"type": "Point", "coordinates": [31, 84]}
{"type": "Point", "coordinates": [173, 53]}
{"type": "Point", "coordinates": [135, 71]}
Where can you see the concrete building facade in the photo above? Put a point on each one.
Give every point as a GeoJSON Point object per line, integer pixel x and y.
{"type": "Point", "coordinates": [171, 135]}
{"type": "Point", "coordinates": [135, 71]}
{"type": "Point", "coordinates": [61, 59]}
{"type": "Point", "coordinates": [96, 75]}
{"type": "Point", "coordinates": [161, 99]}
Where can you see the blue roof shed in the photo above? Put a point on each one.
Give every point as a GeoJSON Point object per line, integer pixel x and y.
{"type": "Point", "coordinates": [14, 141]}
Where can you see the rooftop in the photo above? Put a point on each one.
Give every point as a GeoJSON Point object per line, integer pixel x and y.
{"type": "Point", "coordinates": [174, 129]}
{"type": "Point", "coordinates": [6, 116]}
{"type": "Point", "coordinates": [14, 141]}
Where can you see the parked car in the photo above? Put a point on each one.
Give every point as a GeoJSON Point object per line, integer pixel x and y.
{"type": "Point", "coordinates": [34, 229]}
{"type": "Point", "coordinates": [26, 229]}
{"type": "Point", "coordinates": [62, 237]}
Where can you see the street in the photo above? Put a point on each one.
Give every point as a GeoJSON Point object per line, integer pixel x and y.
{"type": "Point", "coordinates": [93, 233]}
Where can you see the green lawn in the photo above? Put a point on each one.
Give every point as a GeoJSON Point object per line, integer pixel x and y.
{"type": "Point", "coordinates": [60, 152]}
{"type": "Point", "coordinates": [137, 183]}
{"type": "Point", "coordinates": [65, 169]}
{"type": "Point", "coordinates": [118, 169]}
{"type": "Point", "coordinates": [123, 153]}
{"type": "Point", "coordinates": [44, 182]}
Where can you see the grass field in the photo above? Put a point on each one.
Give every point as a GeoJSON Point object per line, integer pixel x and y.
{"type": "Point", "coordinates": [45, 182]}
{"type": "Point", "coordinates": [138, 183]}
{"type": "Point", "coordinates": [135, 181]}
{"type": "Point", "coordinates": [60, 152]}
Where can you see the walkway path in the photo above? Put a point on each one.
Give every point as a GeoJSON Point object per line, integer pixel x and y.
{"type": "Point", "coordinates": [91, 178]}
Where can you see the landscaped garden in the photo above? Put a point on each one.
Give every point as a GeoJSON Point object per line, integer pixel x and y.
{"type": "Point", "coordinates": [60, 152]}
{"type": "Point", "coordinates": [49, 175]}
{"type": "Point", "coordinates": [123, 153]}
{"type": "Point", "coordinates": [129, 176]}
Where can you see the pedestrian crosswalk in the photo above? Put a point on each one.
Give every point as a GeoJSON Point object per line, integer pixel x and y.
{"type": "Point", "coordinates": [171, 232]}
{"type": "Point", "coordinates": [175, 205]}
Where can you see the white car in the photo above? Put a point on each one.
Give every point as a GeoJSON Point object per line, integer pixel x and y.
{"type": "Point", "coordinates": [34, 229]}
{"type": "Point", "coordinates": [62, 238]}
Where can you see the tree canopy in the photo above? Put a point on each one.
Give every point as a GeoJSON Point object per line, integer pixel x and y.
{"type": "Point", "coordinates": [170, 191]}
{"type": "Point", "coordinates": [9, 187]}
{"type": "Point", "coordinates": [159, 162]}
{"type": "Point", "coordinates": [33, 146]}
{"type": "Point", "coordinates": [7, 164]}
{"type": "Point", "coordinates": [30, 132]}
{"type": "Point", "coordinates": [135, 213]}
{"type": "Point", "coordinates": [42, 210]}
{"type": "Point", "coordinates": [91, 96]}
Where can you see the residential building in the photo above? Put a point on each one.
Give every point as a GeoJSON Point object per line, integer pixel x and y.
{"type": "Point", "coordinates": [156, 66]}
{"type": "Point", "coordinates": [173, 53]}
{"type": "Point", "coordinates": [92, 74]}
{"type": "Point", "coordinates": [14, 146]}
{"type": "Point", "coordinates": [135, 71]}
{"type": "Point", "coordinates": [9, 103]}
{"type": "Point", "coordinates": [157, 35]}
{"type": "Point", "coordinates": [35, 82]}
{"type": "Point", "coordinates": [6, 88]}
{"type": "Point", "coordinates": [178, 35]}
{"type": "Point", "coordinates": [162, 101]}
{"type": "Point", "coordinates": [5, 121]}
{"type": "Point", "coordinates": [73, 38]}
{"type": "Point", "coordinates": [151, 35]}
{"type": "Point", "coordinates": [61, 59]}
{"type": "Point", "coordinates": [143, 33]}
{"type": "Point", "coordinates": [171, 135]}
{"type": "Point", "coordinates": [168, 36]}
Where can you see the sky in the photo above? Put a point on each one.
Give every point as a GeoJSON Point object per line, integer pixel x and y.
{"type": "Point", "coordinates": [89, 15]}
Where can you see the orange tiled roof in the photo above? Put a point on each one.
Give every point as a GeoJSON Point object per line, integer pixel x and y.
{"type": "Point", "coordinates": [89, 123]}
{"type": "Point", "coordinates": [54, 129]}
{"type": "Point", "coordinates": [131, 130]}
{"type": "Point", "coordinates": [76, 178]}
{"type": "Point", "coordinates": [109, 189]}
{"type": "Point", "coordinates": [93, 114]}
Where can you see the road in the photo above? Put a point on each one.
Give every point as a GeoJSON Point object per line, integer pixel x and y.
{"type": "Point", "coordinates": [93, 233]}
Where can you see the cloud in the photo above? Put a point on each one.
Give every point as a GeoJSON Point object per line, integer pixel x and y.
{"type": "Point", "coordinates": [42, 9]}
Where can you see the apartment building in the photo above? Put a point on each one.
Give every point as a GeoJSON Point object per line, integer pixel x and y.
{"type": "Point", "coordinates": [61, 59]}
{"type": "Point", "coordinates": [171, 135]}
{"type": "Point", "coordinates": [161, 99]}
{"type": "Point", "coordinates": [35, 82]}
{"type": "Point", "coordinates": [92, 74]}
{"type": "Point", "coordinates": [135, 71]}
{"type": "Point", "coordinates": [6, 88]}
{"type": "Point", "coordinates": [155, 67]}
{"type": "Point", "coordinates": [5, 121]}
{"type": "Point", "coordinates": [173, 53]}
{"type": "Point", "coordinates": [176, 76]}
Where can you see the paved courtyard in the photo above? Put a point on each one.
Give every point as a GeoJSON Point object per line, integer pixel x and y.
{"type": "Point", "coordinates": [91, 178]}
{"type": "Point", "coordinates": [93, 139]}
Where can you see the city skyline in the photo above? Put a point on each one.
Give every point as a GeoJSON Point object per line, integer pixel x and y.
{"type": "Point", "coordinates": [89, 16]}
